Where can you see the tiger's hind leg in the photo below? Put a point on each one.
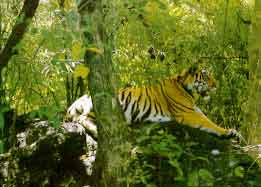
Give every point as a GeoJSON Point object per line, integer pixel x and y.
{"type": "Point", "coordinates": [199, 120]}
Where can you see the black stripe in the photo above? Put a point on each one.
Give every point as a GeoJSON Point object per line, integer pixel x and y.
{"type": "Point", "coordinates": [145, 104]}
{"type": "Point", "coordinates": [163, 93]}
{"type": "Point", "coordinates": [146, 97]}
{"type": "Point", "coordinates": [133, 109]}
{"type": "Point", "coordinates": [137, 109]}
{"type": "Point", "coordinates": [139, 98]}
{"type": "Point", "coordinates": [147, 113]}
{"type": "Point", "coordinates": [169, 106]}
{"type": "Point", "coordinates": [156, 109]}
{"type": "Point", "coordinates": [122, 95]}
{"type": "Point", "coordinates": [152, 100]}
{"type": "Point", "coordinates": [135, 114]}
{"type": "Point", "coordinates": [159, 105]}
{"type": "Point", "coordinates": [133, 106]}
{"type": "Point", "coordinates": [127, 102]}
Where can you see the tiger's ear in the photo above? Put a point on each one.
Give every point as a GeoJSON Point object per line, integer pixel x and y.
{"type": "Point", "coordinates": [193, 69]}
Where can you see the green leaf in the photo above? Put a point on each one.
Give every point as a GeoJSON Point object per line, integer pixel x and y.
{"type": "Point", "coordinates": [4, 109]}
{"type": "Point", "coordinates": [201, 158]}
{"type": "Point", "coordinates": [151, 185]}
{"type": "Point", "coordinates": [71, 18]}
{"type": "Point", "coordinates": [81, 71]}
{"type": "Point", "coordinates": [193, 179]}
{"type": "Point", "coordinates": [174, 163]}
{"type": "Point", "coordinates": [206, 177]}
{"type": "Point", "coordinates": [77, 51]}
{"type": "Point", "coordinates": [239, 171]}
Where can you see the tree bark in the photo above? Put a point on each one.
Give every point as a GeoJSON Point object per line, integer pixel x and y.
{"type": "Point", "coordinates": [112, 130]}
{"type": "Point", "coordinates": [253, 114]}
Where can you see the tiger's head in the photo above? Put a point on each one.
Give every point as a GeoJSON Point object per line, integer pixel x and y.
{"type": "Point", "coordinates": [197, 80]}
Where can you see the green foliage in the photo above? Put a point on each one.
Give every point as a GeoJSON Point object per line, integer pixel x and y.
{"type": "Point", "coordinates": [183, 158]}
{"type": "Point", "coordinates": [156, 151]}
{"type": "Point", "coordinates": [213, 33]}
{"type": "Point", "coordinates": [224, 107]}
{"type": "Point", "coordinates": [53, 114]}
{"type": "Point", "coordinates": [36, 76]}
{"type": "Point", "coordinates": [202, 177]}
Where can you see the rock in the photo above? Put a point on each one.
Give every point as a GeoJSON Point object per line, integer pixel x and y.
{"type": "Point", "coordinates": [48, 156]}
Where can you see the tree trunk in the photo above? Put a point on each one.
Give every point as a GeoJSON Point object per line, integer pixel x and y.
{"type": "Point", "coordinates": [253, 114]}
{"type": "Point", "coordinates": [112, 149]}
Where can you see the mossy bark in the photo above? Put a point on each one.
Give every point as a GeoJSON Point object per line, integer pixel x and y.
{"type": "Point", "coordinates": [112, 152]}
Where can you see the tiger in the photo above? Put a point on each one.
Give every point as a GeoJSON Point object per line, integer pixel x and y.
{"type": "Point", "coordinates": [172, 99]}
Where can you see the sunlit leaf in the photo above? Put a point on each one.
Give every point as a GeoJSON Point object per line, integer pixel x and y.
{"type": "Point", "coordinates": [77, 51]}
{"type": "Point", "coordinates": [174, 163]}
{"type": "Point", "coordinates": [81, 71]}
{"type": "Point", "coordinates": [193, 179]}
{"type": "Point", "coordinates": [206, 177]}
{"type": "Point", "coordinates": [239, 171]}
